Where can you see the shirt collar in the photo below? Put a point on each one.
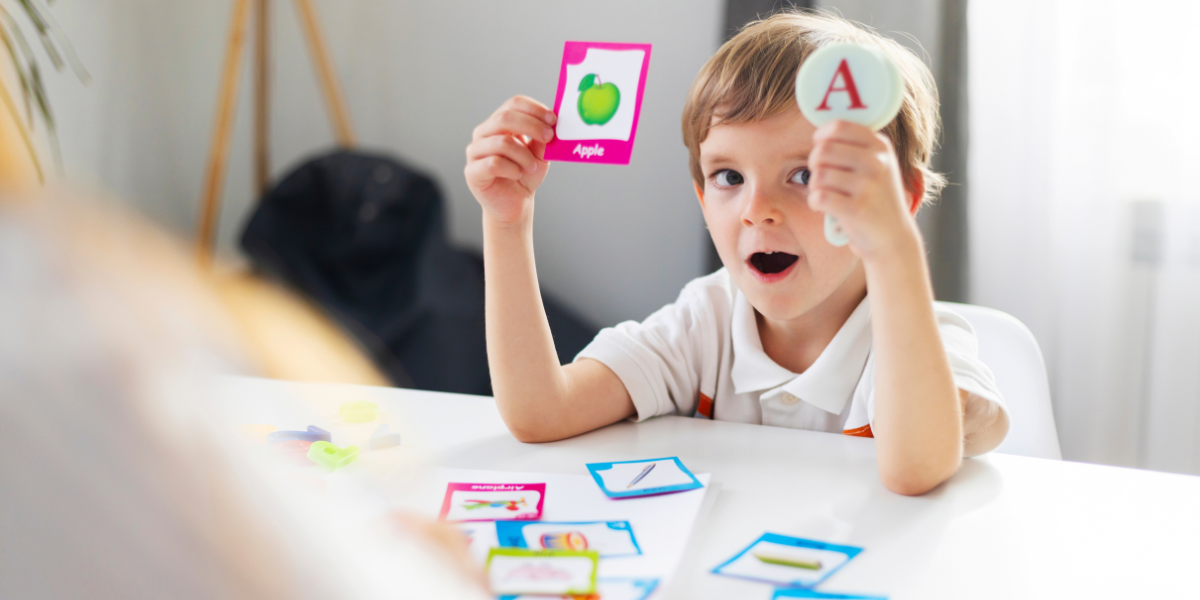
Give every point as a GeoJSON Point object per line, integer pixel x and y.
{"type": "Point", "coordinates": [827, 384]}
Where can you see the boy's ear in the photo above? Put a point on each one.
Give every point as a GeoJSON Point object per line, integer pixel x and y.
{"type": "Point", "coordinates": [699, 193]}
{"type": "Point", "coordinates": [917, 193]}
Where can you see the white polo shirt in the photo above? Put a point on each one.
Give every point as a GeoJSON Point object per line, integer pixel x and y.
{"type": "Point", "coordinates": [702, 356]}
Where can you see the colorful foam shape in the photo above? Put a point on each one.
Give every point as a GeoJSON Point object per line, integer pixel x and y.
{"type": "Point", "coordinates": [331, 457]}
{"type": "Point", "coordinates": [256, 432]}
{"type": "Point", "coordinates": [383, 438]}
{"type": "Point", "coordinates": [358, 411]}
{"type": "Point", "coordinates": [313, 434]}
{"type": "Point", "coordinates": [294, 450]}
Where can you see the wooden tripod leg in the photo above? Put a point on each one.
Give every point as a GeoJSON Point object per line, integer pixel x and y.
{"type": "Point", "coordinates": [262, 96]}
{"type": "Point", "coordinates": [329, 83]}
{"type": "Point", "coordinates": [218, 153]}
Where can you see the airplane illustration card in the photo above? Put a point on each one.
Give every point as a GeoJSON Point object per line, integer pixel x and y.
{"type": "Point", "coordinates": [599, 102]}
{"type": "Point", "coordinates": [493, 502]}
{"type": "Point", "coordinates": [634, 478]}
{"type": "Point", "coordinates": [512, 571]}
{"type": "Point", "coordinates": [609, 538]}
{"type": "Point", "coordinates": [787, 561]}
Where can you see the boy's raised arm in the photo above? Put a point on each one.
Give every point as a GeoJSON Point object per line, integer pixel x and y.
{"type": "Point", "coordinates": [918, 410]}
{"type": "Point", "coordinates": [539, 399]}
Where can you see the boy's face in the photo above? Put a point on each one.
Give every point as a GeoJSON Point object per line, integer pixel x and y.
{"type": "Point", "coordinates": [755, 202]}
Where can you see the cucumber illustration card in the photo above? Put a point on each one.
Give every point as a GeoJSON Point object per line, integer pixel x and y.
{"type": "Point", "coordinates": [787, 561]}
{"type": "Point", "coordinates": [493, 502]}
{"type": "Point", "coordinates": [599, 101]}
{"type": "Point", "coordinates": [609, 538]}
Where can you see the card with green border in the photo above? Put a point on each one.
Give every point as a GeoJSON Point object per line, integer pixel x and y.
{"type": "Point", "coordinates": [547, 572]}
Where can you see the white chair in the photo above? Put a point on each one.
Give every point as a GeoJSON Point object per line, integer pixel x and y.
{"type": "Point", "coordinates": [1010, 350]}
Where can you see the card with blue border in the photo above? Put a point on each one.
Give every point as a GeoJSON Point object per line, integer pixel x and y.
{"type": "Point", "coordinates": [610, 588]}
{"type": "Point", "coordinates": [803, 593]}
{"type": "Point", "coordinates": [636, 478]}
{"type": "Point", "coordinates": [787, 561]}
{"type": "Point", "coordinates": [610, 538]}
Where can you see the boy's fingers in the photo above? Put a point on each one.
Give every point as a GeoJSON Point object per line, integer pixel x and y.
{"type": "Point", "coordinates": [486, 170]}
{"type": "Point", "coordinates": [828, 201]}
{"type": "Point", "coordinates": [506, 146]}
{"type": "Point", "coordinates": [531, 107]}
{"type": "Point", "coordinates": [833, 154]}
{"type": "Point", "coordinates": [845, 183]}
{"type": "Point", "coordinates": [845, 132]}
{"type": "Point", "coordinates": [511, 122]}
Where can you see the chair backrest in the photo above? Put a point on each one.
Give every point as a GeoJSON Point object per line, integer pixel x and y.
{"type": "Point", "coordinates": [1010, 350]}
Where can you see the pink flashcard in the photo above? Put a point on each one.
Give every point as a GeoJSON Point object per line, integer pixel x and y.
{"type": "Point", "coordinates": [493, 502]}
{"type": "Point", "coordinates": [599, 101]}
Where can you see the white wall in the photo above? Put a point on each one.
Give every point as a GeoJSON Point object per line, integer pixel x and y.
{"type": "Point", "coordinates": [614, 242]}
{"type": "Point", "coordinates": [914, 23]}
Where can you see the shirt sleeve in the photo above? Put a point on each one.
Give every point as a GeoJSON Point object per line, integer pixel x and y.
{"type": "Point", "coordinates": [659, 360]}
{"type": "Point", "coordinates": [985, 418]}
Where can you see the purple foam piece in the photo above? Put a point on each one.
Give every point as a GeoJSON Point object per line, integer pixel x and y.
{"type": "Point", "coordinates": [314, 434]}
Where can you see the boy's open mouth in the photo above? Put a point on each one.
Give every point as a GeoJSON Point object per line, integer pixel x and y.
{"type": "Point", "coordinates": [769, 263]}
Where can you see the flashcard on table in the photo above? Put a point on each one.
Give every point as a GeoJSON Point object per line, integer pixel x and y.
{"type": "Point", "coordinates": [609, 538]}
{"type": "Point", "coordinates": [493, 502]}
{"type": "Point", "coordinates": [787, 561]}
{"type": "Point", "coordinates": [609, 588]}
{"type": "Point", "coordinates": [481, 538]}
{"type": "Point", "coordinates": [634, 478]}
{"type": "Point", "coordinates": [542, 572]}
{"type": "Point", "coordinates": [803, 593]}
{"type": "Point", "coordinates": [599, 102]}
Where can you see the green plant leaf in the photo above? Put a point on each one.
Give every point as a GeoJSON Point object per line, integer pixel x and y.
{"type": "Point", "coordinates": [588, 81]}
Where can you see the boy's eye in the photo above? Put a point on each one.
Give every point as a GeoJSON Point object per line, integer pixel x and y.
{"type": "Point", "coordinates": [728, 177]}
{"type": "Point", "coordinates": [801, 176]}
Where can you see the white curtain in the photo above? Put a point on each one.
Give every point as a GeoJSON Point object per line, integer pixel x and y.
{"type": "Point", "coordinates": [1085, 212]}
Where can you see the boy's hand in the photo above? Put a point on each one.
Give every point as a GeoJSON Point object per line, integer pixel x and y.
{"type": "Point", "coordinates": [855, 178]}
{"type": "Point", "coordinates": [504, 160]}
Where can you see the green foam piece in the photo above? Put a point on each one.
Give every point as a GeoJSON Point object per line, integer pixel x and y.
{"type": "Point", "coordinates": [331, 457]}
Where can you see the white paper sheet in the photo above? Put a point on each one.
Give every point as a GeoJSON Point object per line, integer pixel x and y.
{"type": "Point", "coordinates": [662, 524]}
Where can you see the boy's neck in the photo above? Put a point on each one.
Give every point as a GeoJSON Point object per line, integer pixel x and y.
{"type": "Point", "coordinates": [795, 344]}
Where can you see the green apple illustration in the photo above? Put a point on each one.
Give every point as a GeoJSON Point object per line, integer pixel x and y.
{"type": "Point", "coordinates": [597, 101]}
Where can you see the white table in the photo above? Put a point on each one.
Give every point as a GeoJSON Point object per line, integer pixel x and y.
{"type": "Point", "coordinates": [1004, 527]}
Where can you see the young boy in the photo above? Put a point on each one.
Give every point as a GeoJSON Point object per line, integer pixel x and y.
{"type": "Point", "coordinates": [786, 334]}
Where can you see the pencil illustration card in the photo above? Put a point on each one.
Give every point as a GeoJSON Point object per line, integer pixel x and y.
{"type": "Point", "coordinates": [787, 561]}
{"type": "Point", "coordinates": [515, 571]}
{"type": "Point", "coordinates": [493, 502]}
{"type": "Point", "coordinates": [609, 538]}
{"type": "Point", "coordinates": [599, 102]}
{"type": "Point", "coordinates": [634, 478]}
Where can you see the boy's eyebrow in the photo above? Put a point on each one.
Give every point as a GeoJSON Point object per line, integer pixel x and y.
{"type": "Point", "coordinates": [712, 160]}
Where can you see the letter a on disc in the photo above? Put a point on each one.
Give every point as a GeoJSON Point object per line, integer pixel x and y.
{"type": "Point", "coordinates": [851, 83]}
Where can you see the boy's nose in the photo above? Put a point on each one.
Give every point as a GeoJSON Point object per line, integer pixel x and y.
{"type": "Point", "coordinates": [760, 209]}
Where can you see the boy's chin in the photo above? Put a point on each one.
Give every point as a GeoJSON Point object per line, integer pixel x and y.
{"type": "Point", "coordinates": [777, 302]}
{"type": "Point", "coordinates": [777, 309]}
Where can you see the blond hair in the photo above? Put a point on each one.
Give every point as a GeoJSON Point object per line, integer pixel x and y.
{"type": "Point", "coordinates": [753, 77]}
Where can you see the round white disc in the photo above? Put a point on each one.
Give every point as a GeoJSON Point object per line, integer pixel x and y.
{"type": "Point", "coordinates": [851, 83]}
